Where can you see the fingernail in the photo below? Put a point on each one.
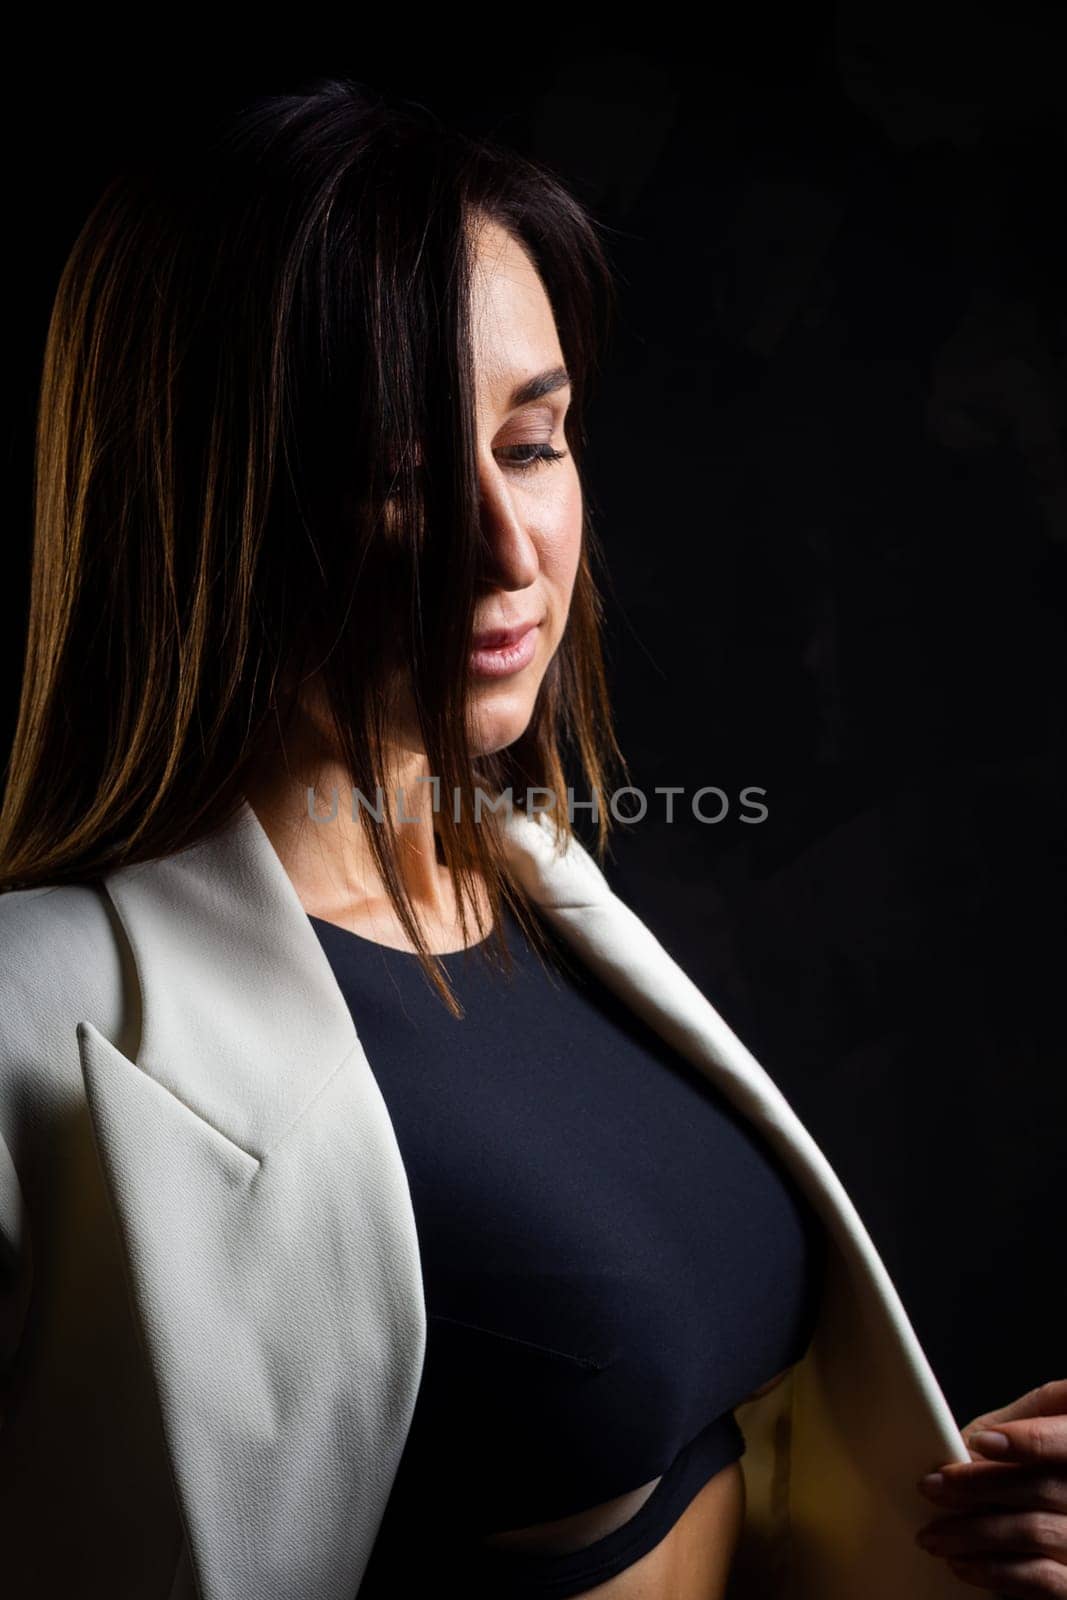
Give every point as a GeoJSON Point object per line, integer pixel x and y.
{"type": "Point", "coordinates": [932, 1482]}
{"type": "Point", "coordinates": [992, 1444]}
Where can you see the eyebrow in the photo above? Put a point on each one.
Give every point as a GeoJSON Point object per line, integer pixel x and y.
{"type": "Point", "coordinates": [536, 388]}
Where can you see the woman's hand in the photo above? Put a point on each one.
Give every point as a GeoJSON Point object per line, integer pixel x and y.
{"type": "Point", "coordinates": [1005, 1522]}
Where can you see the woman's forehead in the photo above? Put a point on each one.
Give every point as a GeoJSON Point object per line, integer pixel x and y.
{"type": "Point", "coordinates": [512, 326]}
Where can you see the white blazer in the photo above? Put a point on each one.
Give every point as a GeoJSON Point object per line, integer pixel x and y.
{"type": "Point", "coordinates": [213, 1324]}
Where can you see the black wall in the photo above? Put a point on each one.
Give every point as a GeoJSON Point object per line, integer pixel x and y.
{"type": "Point", "coordinates": [830, 470]}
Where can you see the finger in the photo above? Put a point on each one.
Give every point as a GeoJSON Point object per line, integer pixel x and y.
{"type": "Point", "coordinates": [998, 1533]}
{"type": "Point", "coordinates": [976, 1479]}
{"type": "Point", "coordinates": [1046, 1400]}
{"type": "Point", "coordinates": [1015, 1577]}
{"type": "Point", "coordinates": [1036, 1438]}
{"type": "Point", "coordinates": [977, 1485]}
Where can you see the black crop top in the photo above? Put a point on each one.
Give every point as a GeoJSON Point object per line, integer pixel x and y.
{"type": "Point", "coordinates": [612, 1260]}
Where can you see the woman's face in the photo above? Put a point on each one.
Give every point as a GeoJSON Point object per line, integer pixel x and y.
{"type": "Point", "coordinates": [531, 498]}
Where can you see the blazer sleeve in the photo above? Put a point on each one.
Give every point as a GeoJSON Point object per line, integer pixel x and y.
{"type": "Point", "coordinates": [59, 963]}
{"type": "Point", "coordinates": [15, 1269]}
{"type": "Point", "coordinates": [19, 1014]}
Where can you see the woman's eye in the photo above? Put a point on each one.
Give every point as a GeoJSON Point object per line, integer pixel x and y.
{"type": "Point", "coordinates": [530, 456]}
{"type": "Point", "coordinates": [519, 457]}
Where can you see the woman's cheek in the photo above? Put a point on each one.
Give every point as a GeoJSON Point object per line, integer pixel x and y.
{"type": "Point", "coordinates": [562, 543]}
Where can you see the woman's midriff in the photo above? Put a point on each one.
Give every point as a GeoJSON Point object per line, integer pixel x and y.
{"type": "Point", "coordinates": [691, 1561]}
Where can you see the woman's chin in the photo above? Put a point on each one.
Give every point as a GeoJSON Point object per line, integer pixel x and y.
{"type": "Point", "coordinates": [499, 724]}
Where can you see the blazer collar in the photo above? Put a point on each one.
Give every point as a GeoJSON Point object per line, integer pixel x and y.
{"type": "Point", "coordinates": [221, 920]}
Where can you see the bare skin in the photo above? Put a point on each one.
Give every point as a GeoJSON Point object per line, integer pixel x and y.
{"type": "Point", "coordinates": [533, 523]}
{"type": "Point", "coordinates": [691, 1561]}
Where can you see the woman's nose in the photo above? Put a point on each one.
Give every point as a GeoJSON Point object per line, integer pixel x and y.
{"type": "Point", "coordinates": [509, 550]}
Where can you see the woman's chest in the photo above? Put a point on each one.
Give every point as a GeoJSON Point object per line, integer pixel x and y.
{"type": "Point", "coordinates": [611, 1257]}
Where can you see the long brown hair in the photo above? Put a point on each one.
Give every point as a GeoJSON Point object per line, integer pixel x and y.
{"type": "Point", "coordinates": [255, 464]}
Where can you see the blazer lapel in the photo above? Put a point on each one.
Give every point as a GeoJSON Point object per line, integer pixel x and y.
{"type": "Point", "coordinates": [267, 1221]}
{"type": "Point", "coordinates": [274, 1260]}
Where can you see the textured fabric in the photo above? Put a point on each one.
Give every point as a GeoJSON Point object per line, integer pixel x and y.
{"type": "Point", "coordinates": [225, 1329]}
{"type": "Point", "coordinates": [586, 1321]}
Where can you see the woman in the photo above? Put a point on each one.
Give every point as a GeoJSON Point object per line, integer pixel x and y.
{"type": "Point", "coordinates": [350, 1194]}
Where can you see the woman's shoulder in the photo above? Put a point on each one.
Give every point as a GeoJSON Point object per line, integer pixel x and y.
{"type": "Point", "coordinates": [60, 963]}
{"type": "Point", "coordinates": [35, 920]}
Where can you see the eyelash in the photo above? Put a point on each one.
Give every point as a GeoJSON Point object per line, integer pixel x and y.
{"type": "Point", "coordinates": [543, 455]}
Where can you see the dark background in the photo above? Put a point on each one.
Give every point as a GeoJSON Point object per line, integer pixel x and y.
{"type": "Point", "coordinates": [829, 470]}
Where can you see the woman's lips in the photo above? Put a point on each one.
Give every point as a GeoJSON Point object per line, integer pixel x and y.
{"type": "Point", "coordinates": [505, 651]}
